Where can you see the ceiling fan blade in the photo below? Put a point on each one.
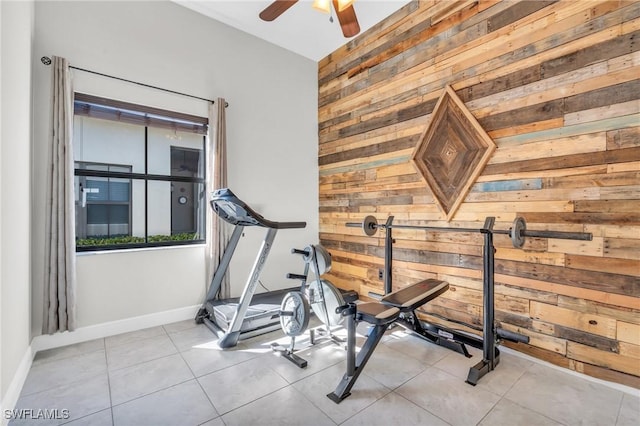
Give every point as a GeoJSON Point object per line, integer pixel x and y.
{"type": "Point", "coordinates": [276, 9]}
{"type": "Point", "coordinates": [348, 20]}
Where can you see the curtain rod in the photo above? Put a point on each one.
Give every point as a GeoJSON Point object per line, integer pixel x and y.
{"type": "Point", "coordinates": [47, 61]}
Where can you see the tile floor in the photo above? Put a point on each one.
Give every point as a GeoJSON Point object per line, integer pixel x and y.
{"type": "Point", "coordinates": [176, 375]}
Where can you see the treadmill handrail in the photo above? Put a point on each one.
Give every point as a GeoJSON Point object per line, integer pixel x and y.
{"type": "Point", "coordinates": [236, 212]}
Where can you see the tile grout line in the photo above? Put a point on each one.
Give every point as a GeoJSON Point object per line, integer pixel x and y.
{"type": "Point", "coordinates": [199, 384]}
{"type": "Point", "coordinates": [619, 408]}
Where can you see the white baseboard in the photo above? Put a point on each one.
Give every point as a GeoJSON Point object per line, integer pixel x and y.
{"type": "Point", "coordinates": [98, 331]}
{"type": "Point", "coordinates": [15, 387]}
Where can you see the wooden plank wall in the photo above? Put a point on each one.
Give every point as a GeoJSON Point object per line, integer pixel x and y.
{"type": "Point", "coordinates": [556, 84]}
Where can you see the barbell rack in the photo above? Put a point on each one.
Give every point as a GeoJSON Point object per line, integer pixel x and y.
{"type": "Point", "coordinates": [491, 334]}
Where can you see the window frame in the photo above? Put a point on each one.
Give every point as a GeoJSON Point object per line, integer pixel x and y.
{"type": "Point", "coordinates": [146, 117]}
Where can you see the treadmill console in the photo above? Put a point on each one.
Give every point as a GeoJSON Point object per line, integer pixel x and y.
{"type": "Point", "coordinates": [232, 209]}
{"type": "Point", "coordinates": [236, 212]}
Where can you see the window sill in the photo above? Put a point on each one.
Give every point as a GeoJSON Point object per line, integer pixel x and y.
{"type": "Point", "coordinates": [137, 249]}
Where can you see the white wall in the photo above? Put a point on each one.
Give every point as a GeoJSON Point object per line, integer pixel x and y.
{"type": "Point", "coordinates": [271, 130]}
{"type": "Point", "coordinates": [16, 29]}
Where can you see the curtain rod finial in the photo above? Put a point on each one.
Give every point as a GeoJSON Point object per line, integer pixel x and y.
{"type": "Point", "coordinates": [46, 60]}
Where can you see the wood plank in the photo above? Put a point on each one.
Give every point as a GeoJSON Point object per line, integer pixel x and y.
{"type": "Point", "coordinates": [440, 269]}
{"type": "Point", "coordinates": [568, 131]}
{"type": "Point", "coordinates": [541, 341]}
{"type": "Point", "coordinates": [518, 255]}
{"type": "Point", "coordinates": [454, 53]}
{"type": "Point", "coordinates": [606, 374]}
{"type": "Point", "coordinates": [591, 323]}
{"type": "Point", "coordinates": [623, 138]}
{"type": "Point", "coordinates": [622, 248]}
{"type": "Point", "coordinates": [551, 356]}
{"type": "Point", "coordinates": [594, 307]}
{"type": "Point", "coordinates": [374, 162]}
{"type": "Point", "coordinates": [561, 162]}
{"type": "Point", "coordinates": [569, 47]}
{"type": "Point", "coordinates": [598, 342]}
{"type": "Point", "coordinates": [628, 332]}
{"type": "Point", "coordinates": [439, 246]}
{"type": "Point", "coordinates": [514, 13]}
{"type": "Point", "coordinates": [572, 145]}
{"type": "Point", "coordinates": [609, 283]}
{"type": "Point", "coordinates": [605, 178]}
{"type": "Point", "coordinates": [594, 77]}
{"type": "Point", "coordinates": [602, 264]}
{"type": "Point", "coordinates": [628, 218]}
{"type": "Point", "coordinates": [490, 208]}
{"type": "Point", "coordinates": [607, 359]}
{"type": "Point", "coordinates": [585, 170]}
{"type": "Point", "coordinates": [608, 111]}
{"type": "Point", "coordinates": [584, 293]}
{"type": "Point", "coordinates": [417, 35]}
{"type": "Point", "coordinates": [456, 316]}
{"type": "Point", "coordinates": [612, 231]}
{"type": "Point", "coordinates": [629, 350]}
{"type": "Point", "coordinates": [367, 44]}
{"type": "Point", "coordinates": [370, 150]}
{"type": "Point", "coordinates": [463, 295]}
{"type": "Point", "coordinates": [513, 305]}
{"type": "Point", "coordinates": [358, 141]}
{"type": "Point", "coordinates": [519, 96]}
{"type": "Point", "coordinates": [583, 248]}
{"type": "Point", "coordinates": [536, 195]}
{"type": "Point", "coordinates": [508, 185]}
{"type": "Point", "coordinates": [515, 129]}
{"type": "Point", "coordinates": [538, 31]}
{"type": "Point", "coordinates": [540, 296]}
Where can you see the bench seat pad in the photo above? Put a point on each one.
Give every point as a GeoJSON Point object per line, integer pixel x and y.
{"type": "Point", "coordinates": [415, 295]}
{"type": "Point", "coordinates": [376, 313]}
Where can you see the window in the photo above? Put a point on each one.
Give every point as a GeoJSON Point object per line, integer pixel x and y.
{"type": "Point", "coordinates": [139, 175]}
{"type": "Point", "coordinates": [104, 204]}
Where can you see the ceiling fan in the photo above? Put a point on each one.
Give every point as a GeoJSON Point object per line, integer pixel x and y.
{"type": "Point", "coordinates": [344, 10]}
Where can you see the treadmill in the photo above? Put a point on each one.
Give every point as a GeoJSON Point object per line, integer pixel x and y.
{"type": "Point", "coordinates": [250, 314]}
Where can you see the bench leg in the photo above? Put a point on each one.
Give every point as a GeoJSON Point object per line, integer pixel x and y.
{"type": "Point", "coordinates": [355, 367]}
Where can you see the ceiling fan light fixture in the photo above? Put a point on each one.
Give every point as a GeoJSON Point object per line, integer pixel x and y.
{"type": "Point", "coordinates": [322, 5]}
{"type": "Point", "coordinates": [343, 4]}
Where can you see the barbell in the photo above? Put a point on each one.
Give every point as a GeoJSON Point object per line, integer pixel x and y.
{"type": "Point", "coordinates": [518, 231]}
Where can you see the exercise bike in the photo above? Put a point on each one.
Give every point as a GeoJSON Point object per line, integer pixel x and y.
{"type": "Point", "coordinates": [319, 296]}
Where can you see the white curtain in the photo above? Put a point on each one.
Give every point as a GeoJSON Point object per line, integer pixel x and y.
{"type": "Point", "coordinates": [218, 232]}
{"type": "Point", "coordinates": [60, 256]}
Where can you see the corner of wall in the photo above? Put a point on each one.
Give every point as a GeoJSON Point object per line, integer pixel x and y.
{"type": "Point", "coordinates": [16, 40]}
{"type": "Point", "coordinates": [10, 398]}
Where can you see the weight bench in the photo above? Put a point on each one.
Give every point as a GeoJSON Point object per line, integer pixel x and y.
{"type": "Point", "coordinates": [380, 315]}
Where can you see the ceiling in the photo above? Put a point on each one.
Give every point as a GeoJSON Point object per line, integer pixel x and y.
{"type": "Point", "coordinates": [301, 29]}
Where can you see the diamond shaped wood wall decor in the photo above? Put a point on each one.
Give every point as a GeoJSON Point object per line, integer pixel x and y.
{"type": "Point", "coordinates": [452, 152]}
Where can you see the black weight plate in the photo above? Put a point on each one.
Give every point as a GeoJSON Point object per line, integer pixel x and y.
{"type": "Point", "coordinates": [370, 225]}
{"type": "Point", "coordinates": [517, 232]}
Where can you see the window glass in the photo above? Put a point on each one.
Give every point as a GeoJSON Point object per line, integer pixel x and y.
{"type": "Point", "coordinates": [175, 153]}
{"type": "Point", "coordinates": [104, 142]}
{"type": "Point", "coordinates": [137, 185]}
{"type": "Point", "coordinates": [109, 211]}
{"type": "Point", "coordinates": [180, 207]}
